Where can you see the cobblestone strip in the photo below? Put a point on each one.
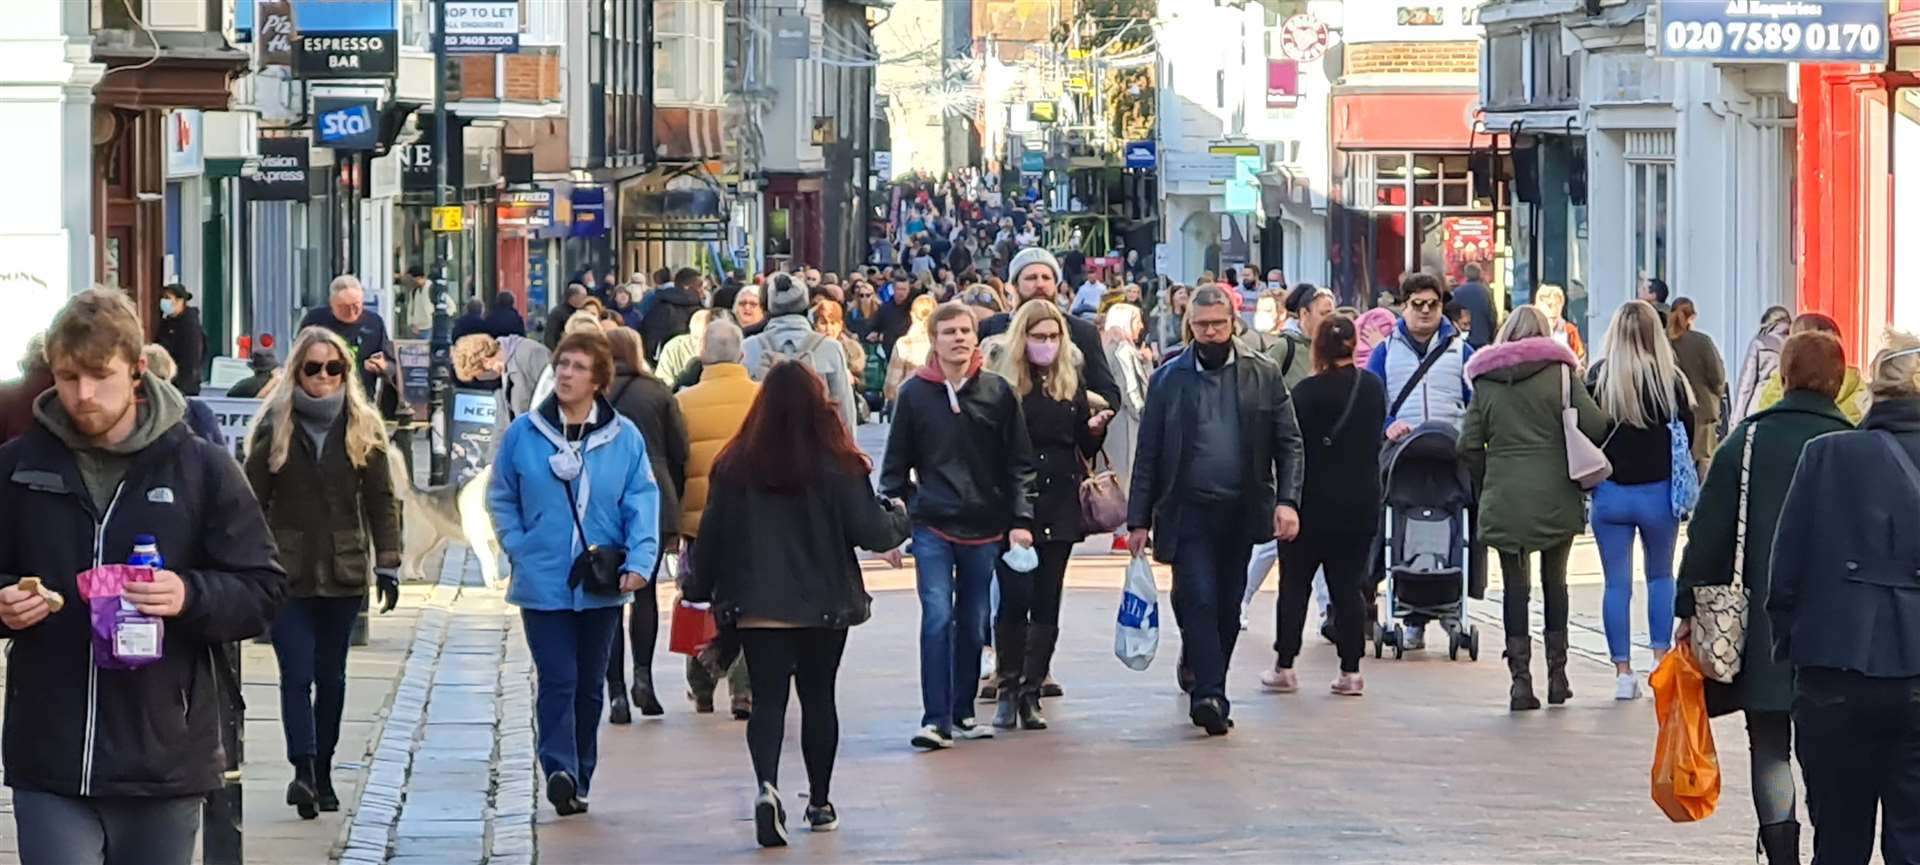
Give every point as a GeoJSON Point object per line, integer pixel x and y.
{"type": "Point", "coordinates": [1586, 637]}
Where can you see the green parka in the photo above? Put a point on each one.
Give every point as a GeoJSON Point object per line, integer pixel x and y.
{"type": "Point", "coordinates": [1514, 444]}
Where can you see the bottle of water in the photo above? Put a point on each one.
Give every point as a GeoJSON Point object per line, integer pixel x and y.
{"type": "Point", "coordinates": [146, 554]}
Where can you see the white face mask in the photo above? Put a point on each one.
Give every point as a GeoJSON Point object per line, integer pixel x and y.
{"type": "Point", "coordinates": [1273, 285]}
{"type": "Point", "coordinates": [1264, 321]}
{"type": "Point", "coordinates": [166, 306]}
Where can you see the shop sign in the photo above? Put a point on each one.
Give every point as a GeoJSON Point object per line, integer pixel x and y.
{"type": "Point", "coordinates": [1774, 31]}
{"type": "Point", "coordinates": [184, 155]}
{"type": "Point", "coordinates": [449, 218]}
{"type": "Point", "coordinates": [1305, 38]}
{"type": "Point", "coordinates": [282, 172]}
{"type": "Point", "coordinates": [274, 40]}
{"type": "Point", "coordinates": [792, 37]}
{"type": "Point", "coordinates": [483, 26]}
{"type": "Point", "coordinates": [345, 55]}
{"type": "Point", "coordinates": [537, 276]}
{"type": "Point", "coordinates": [1141, 155]}
{"type": "Point", "coordinates": [1283, 83]}
{"type": "Point", "coordinates": [414, 357]}
{"type": "Point", "coordinates": [589, 211]}
{"type": "Point", "coordinates": [1033, 162]}
{"type": "Point", "coordinates": [345, 124]}
{"type": "Point", "coordinates": [526, 209]}
{"type": "Point", "coordinates": [235, 419]}
{"type": "Point", "coordinates": [883, 165]}
{"type": "Point", "coordinates": [472, 433]}
{"type": "Point", "coordinates": [1243, 191]}
{"type": "Point", "coordinates": [1042, 111]}
{"type": "Point", "coordinates": [417, 170]}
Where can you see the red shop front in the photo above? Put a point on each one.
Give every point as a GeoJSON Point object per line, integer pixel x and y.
{"type": "Point", "coordinates": [1859, 184]}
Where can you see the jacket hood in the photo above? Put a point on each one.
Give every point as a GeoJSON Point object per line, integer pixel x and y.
{"type": "Point", "coordinates": [160, 409]}
{"type": "Point", "coordinates": [676, 295]}
{"type": "Point", "coordinates": [1893, 415]}
{"type": "Point", "coordinates": [787, 326]}
{"type": "Point", "coordinates": [603, 428]}
{"type": "Point", "coordinates": [1520, 359]}
{"type": "Point", "coordinates": [931, 371]}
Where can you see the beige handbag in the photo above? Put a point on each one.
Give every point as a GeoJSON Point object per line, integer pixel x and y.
{"type": "Point", "coordinates": [1587, 463]}
{"type": "Point", "coordinates": [1719, 631]}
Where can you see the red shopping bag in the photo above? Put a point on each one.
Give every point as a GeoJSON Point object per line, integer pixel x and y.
{"type": "Point", "coordinates": [693, 628]}
{"type": "Point", "coordinates": [1686, 768]}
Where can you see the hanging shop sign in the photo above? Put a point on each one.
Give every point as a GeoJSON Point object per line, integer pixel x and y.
{"type": "Point", "coordinates": [883, 165]}
{"type": "Point", "coordinates": [1043, 111]}
{"type": "Point", "coordinates": [483, 26]}
{"type": "Point", "coordinates": [1283, 83]}
{"type": "Point", "coordinates": [417, 169]}
{"type": "Point", "coordinates": [589, 211]}
{"type": "Point", "coordinates": [345, 124]}
{"type": "Point", "coordinates": [1033, 162]}
{"type": "Point", "coordinates": [185, 156]}
{"type": "Point", "coordinates": [345, 39]}
{"type": "Point", "coordinates": [282, 171]}
{"type": "Point", "coordinates": [1142, 155]}
{"type": "Point", "coordinates": [449, 218]}
{"type": "Point", "coordinates": [1762, 31]}
{"type": "Point", "coordinates": [273, 38]}
{"type": "Point", "coordinates": [525, 209]}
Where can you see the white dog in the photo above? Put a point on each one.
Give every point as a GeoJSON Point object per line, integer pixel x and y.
{"type": "Point", "coordinates": [432, 517]}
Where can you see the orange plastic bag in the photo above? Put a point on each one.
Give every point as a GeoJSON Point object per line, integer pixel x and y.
{"type": "Point", "coordinates": [1686, 769]}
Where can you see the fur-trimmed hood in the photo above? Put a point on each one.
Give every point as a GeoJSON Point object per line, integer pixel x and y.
{"type": "Point", "coordinates": [1520, 359]}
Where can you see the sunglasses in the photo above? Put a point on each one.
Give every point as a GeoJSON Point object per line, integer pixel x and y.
{"type": "Point", "coordinates": [1424, 305]}
{"type": "Point", "coordinates": [334, 368]}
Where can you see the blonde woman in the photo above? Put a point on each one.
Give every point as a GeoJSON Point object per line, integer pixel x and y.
{"type": "Point", "coordinates": [1043, 366]}
{"type": "Point", "coordinates": [683, 351]}
{"type": "Point", "coordinates": [910, 351]}
{"type": "Point", "coordinates": [1121, 335]}
{"type": "Point", "coordinates": [1642, 391]}
{"type": "Point", "coordinates": [1552, 300]}
{"type": "Point", "coordinates": [317, 461]}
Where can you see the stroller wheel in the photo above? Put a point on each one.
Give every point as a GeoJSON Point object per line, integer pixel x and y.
{"type": "Point", "coordinates": [1379, 641]}
{"type": "Point", "coordinates": [1399, 639]}
{"type": "Point", "coordinates": [1473, 643]}
{"type": "Point", "coordinates": [1453, 645]}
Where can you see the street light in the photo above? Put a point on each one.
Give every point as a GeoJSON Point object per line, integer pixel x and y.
{"type": "Point", "coordinates": [440, 369]}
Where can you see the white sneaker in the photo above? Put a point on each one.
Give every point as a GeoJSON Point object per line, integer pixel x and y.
{"type": "Point", "coordinates": [1243, 617]}
{"type": "Point", "coordinates": [987, 661]}
{"type": "Point", "coordinates": [966, 728]}
{"type": "Point", "coordinates": [1626, 686]}
{"type": "Point", "coordinates": [931, 738]}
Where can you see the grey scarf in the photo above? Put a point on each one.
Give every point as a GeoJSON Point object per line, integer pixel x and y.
{"type": "Point", "coordinates": [316, 415]}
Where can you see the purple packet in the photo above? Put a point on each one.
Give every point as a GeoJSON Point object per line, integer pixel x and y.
{"type": "Point", "coordinates": [123, 637]}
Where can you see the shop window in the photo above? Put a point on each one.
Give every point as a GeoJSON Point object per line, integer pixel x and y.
{"type": "Point", "coordinates": [686, 54]}
{"type": "Point", "coordinates": [1650, 190]}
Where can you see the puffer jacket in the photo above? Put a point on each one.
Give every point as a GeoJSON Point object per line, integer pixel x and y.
{"type": "Point", "coordinates": [652, 408]}
{"type": "Point", "coordinates": [1514, 444]}
{"type": "Point", "coordinates": [714, 409]}
{"type": "Point", "coordinates": [334, 523]}
{"type": "Point", "coordinates": [960, 457]}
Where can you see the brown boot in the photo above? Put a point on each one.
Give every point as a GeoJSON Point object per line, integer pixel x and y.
{"type": "Point", "coordinates": [1559, 690]}
{"type": "Point", "coordinates": [1519, 655]}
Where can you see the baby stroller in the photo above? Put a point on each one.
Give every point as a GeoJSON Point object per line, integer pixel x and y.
{"type": "Point", "coordinates": [1424, 542]}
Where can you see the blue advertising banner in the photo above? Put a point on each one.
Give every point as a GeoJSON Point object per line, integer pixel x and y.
{"type": "Point", "coordinates": [344, 16]}
{"type": "Point", "coordinates": [345, 124]}
{"type": "Point", "coordinates": [1141, 154]}
{"type": "Point", "coordinates": [1774, 31]}
{"type": "Point", "coordinates": [1033, 162]}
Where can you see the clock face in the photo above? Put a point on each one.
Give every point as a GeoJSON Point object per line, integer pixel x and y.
{"type": "Point", "coordinates": [1304, 38]}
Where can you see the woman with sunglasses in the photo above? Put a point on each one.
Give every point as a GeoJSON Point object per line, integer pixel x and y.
{"type": "Point", "coordinates": [318, 462]}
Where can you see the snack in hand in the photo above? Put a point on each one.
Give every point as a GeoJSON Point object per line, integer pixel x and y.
{"type": "Point", "coordinates": [34, 585]}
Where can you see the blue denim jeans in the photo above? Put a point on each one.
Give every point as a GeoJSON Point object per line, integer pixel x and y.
{"type": "Point", "coordinates": [570, 655]}
{"type": "Point", "coordinates": [1209, 578]}
{"type": "Point", "coordinates": [1618, 511]}
{"type": "Point", "coordinates": [310, 639]}
{"type": "Point", "coordinates": [954, 581]}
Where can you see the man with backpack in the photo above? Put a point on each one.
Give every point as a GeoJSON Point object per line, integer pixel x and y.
{"type": "Point", "coordinates": [789, 336]}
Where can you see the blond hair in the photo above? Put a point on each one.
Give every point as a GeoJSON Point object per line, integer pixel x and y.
{"type": "Point", "coordinates": [1640, 373]}
{"type": "Point", "coordinates": [1896, 369]}
{"type": "Point", "coordinates": [471, 353]}
{"type": "Point", "coordinates": [581, 321]}
{"type": "Point", "coordinates": [1525, 322]}
{"type": "Point", "coordinates": [366, 433]}
{"type": "Point", "coordinates": [159, 361]}
{"type": "Point", "coordinates": [1061, 381]}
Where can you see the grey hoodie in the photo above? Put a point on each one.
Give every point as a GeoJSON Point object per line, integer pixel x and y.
{"type": "Point", "coordinates": [161, 408]}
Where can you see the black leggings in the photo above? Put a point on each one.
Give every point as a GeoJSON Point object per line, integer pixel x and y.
{"type": "Point", "coordinates": [805, 660]}
{"type": "Point", "coordinates": [644, 624]}
{"type": "Point", "coordinates": [1514, 573]}
{"type": "Point", "coordinates": [1345, 558]}
{"type": "Point", "coordinates": [1770, 742]}
{"type": "Point", "coordinates": [1034, 597]}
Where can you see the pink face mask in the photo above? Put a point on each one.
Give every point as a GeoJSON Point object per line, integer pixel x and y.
{"type": "Point", "coordinates": [1042, 353]}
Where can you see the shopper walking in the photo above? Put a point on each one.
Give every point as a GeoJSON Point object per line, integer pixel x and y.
{"type": "Point", "coordinates": [1732, 534]}
{"type": "Point", "coordinates": [1066, 433]}
{"type": "Point", "coordinates": [789, 335]}
{"type": "Point", "coordinates": [714, 410]}
{"type": "Point", "coordinates": [1552, 300]}
{"type": "Point", "coordinates": [640, 397]}
{"type": "Point", "coordinates": [668, 312]}
{"type": "Point", "coordinates": [959, 455]}
{"type": "Point", "coordinates": [1035, 273]}
{"type": "Point", "coordinates": [909, 352]}
{"type": "Point", "coordinates": [1309, 306]}
{"type": "Point", "coordinates": [179, 331]}
{"type": "Point", "coordinates": [1122, 333]}
{"type": "Point", "coordinates": [1643, 393]}
{"type": "Point", "coordinates": [1170, 309]}
{"type": "Point", "coordinates": [1514, 444]}
{"type": "Point", "coordinates": [1854, 397]}
{"type": "Point", "coordinates": [1762, 359]}
{"type": "Point", "coordinates": [794, 592]}
{"type": "Point", "coordinates": [1218, 470]}
{"type": "Point", "coordinates": [1340, 410]}
{"type": "Point", "coordinates": [574, 455]}
{"type": "Point", "coordinates": [318, 462]}
{"type": "Point", "coordinates": [1845, 615]}
{"type": "Point", "coordinates": [1699, 359]}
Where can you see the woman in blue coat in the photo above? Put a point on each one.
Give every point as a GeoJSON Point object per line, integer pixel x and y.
{"type": "Point", "coordinates": [573, 450]}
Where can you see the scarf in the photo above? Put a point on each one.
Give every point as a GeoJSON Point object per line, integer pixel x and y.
{"type": "Point", "coordinates": [316, 415]}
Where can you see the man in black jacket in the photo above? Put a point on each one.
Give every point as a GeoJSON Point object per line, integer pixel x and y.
{"type": "Point", "coordinates": [102, 758]}
{"type": "Point", "coordinates": [668, 312]}
{"type": "Point", "coordinates": [958, 454]}
{"type": "Point", "coordinates": [346, 314]}
{"type": "Point", "coordinates": [1216, 472]}
{"type": "Point", "coordinates": [180, 332]}
{"type": "Point", "coordinates": [570, 303]}
{"type": "Point", "coordinates": [1036, 273]}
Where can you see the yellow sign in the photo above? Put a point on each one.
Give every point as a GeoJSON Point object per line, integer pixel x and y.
{"type": "Point", "coordinates": [1078, 84]}
{"type": "Point", "coordinates": [449, 218]}
{"type": "Point", "coordinates": [1234, 150]}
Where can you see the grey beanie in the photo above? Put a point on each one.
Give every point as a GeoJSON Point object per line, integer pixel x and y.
{"type": "Point", "coordinates": [1030, 256]}
{"type": "Point", "coordinates": [785, 296]}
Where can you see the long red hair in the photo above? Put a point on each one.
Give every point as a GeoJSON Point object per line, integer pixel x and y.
{"type": "Point", "coordinates": [792, 436]}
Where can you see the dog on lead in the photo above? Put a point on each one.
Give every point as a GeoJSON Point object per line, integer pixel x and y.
{"type": "Point", "coordinates": [434, 516]}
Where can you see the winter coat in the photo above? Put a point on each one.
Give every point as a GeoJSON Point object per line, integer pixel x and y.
{"type": "Point", "coordinates": [960, 457]}
{"type": "Point", "coordinates": [1093, 371]}
{"type": "Point", "coordinates": [1061, 446]}
{"type": "Point", "coordinates": [72, 728]}
{"type": "Point", "coordinates": [652, 408]}
{"type": "Point", "coordinates": [556, 325]}
{"type": "Point", "coordinates": [1294, 353]}
{"type": "Point", "coordinates": [1845, 554]}
{"type": "Point", "coordinates": [1853, 400]}
{"type": "Point", "coordinates": [615, 496]}
{"type": "Point", "coordinates": [790, 336]}
{"type": "Point", "coordinates": [1779, 435]}
{"type": "Point", "coordinates": [1269, 441]}
{"type": "Point", "coordinates": [1762, 360]}
{"type": "Point", "coordinates": [1340, 494]}
{"type": "Point", "coordinates": [1514, 444]}
{"type": "Point", "coordinates": [679, 354]}
{"type": "Point", "coordinates": [1123, 432]}
{"type": "Point", "coordinates": [1442, 394]}
{"type": "Point", "coordinates": [527, 362]}
{"type": "Point", "coordinates": [184, 339]}
{"type": "Point", "coordinates": [1696, 355]}
{"type": "Point", "coordinates": [251, 386]}
{"type": "Point", "coordinates": [713, 410]}
{"type": "Point", "coordinates": [669, 313]}
{"type": "Point", "coordinates": [333, 523]}
{"type": "Point", "coordinates": [800, 567]}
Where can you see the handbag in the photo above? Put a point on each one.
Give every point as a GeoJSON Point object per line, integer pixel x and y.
{"type": "Point", "coordinates": [1587, 463]}
{"type": "Point", "coordinates": [1685, 486]}
{"type": "Point", "coordinates": [597, 568]}
{"type": "Point", "coordinates": [1719, 631]}
{"type": "Point", "coordinates": [1103, 501]}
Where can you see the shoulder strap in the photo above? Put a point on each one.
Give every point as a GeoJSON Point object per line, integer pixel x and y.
{"type": "Point", "coordinates": [1286, 366]}
{"type": "Point", "coordinates": [573, 510]}
{"type": "Point", "coordinates": [1900, 456]}
{"type": "Point", "coordinates": [1432, 358]}
{"type": "Point", "coordinates": [1740, 518]}
{"type": "Point", "coordinates": [1353, 396]}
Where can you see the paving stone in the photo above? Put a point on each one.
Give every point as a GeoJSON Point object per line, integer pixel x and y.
{"type": "Point", "coordinates": [456, 740]}
{"type": "Point", "coordinates": [445, 805]}
{"type": "Point", "coordinates": [460, 707]}
{"type": "Point", "coordinates": [440, 829]}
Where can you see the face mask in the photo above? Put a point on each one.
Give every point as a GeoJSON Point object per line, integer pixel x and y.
{"type": "Point", "coordinates": [1021, 559]}
{"type": "Point", "coordinates": [166, 306]}
{"type": "Point", "coordinates": [1264, 321]}
{"type": "Point", "coordinates": [1212, 354]}
{"type": "Point", "coordinates": [1042, 353]}
{"type": "Point", "coordinates": [1273, 286]}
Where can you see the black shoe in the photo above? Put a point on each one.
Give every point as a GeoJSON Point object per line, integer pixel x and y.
{"type": "Point", "coordinates": [1051, 688]}
{"type": "Point", "coordinates": [1210, 714]}
{"type": "Point", "coordinates": [300, 792]}
{"type": "Point", "coordinates": [822, 818]}
{"type": "Point", "coordinates": [324, 796]}
{"type": "Point", "coordinates": [1780, 843]}
{"type": "Point", "coordinates": [1327, 633]}
{"type": "Point", "coordinates": [619, 711]}
{"type": "Point", "coordinates": [1006, 713]}
{"type": "Point", "coordinates": [1030, 717]}
{"type": "Point", "coordinates": [702, 704]}
{"type": "Point", "coordinates": [564, 793]}
{"type": "Point", "coordinates": [742, 708]}
{"type": "Point", "coordinates": [644, 698]}
{"type": "Point", "coordinates": [989, 691]}
{"type": "Point", "coordinates": [770, 818]}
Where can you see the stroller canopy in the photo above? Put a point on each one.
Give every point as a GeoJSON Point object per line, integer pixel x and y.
{"type": "Point", "coordinates": [1424, 470]}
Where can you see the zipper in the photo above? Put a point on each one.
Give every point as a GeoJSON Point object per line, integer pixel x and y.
{"type": "Point", "coordinates": [93, 669]}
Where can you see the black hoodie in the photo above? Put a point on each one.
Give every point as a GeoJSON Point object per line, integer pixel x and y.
{"type": "Point", "coordinates": [670, 314]}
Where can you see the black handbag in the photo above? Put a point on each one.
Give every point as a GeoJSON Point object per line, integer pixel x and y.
{"type": "Point", "coordinates": [597, 568]}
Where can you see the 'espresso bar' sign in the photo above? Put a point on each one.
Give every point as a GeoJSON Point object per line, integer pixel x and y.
{"type": "Point", "coordinates": [355, 54]}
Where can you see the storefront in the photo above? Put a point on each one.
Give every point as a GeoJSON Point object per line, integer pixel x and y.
{"type": "Point", "coordinates": [673, 217]}
{"type": "Point", "coordinates": [472, 268]}
{"type": "Point", "coordinates": [1860, 184]}
{"type": "Point", "coordinates": [1416, 189]}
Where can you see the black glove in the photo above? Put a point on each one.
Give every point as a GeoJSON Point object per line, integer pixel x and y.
{"type": "Point", "coordinates": [387, 584]}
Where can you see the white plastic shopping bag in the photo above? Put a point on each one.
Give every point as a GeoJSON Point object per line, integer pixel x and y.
{"type": "Point", "coordinates": [1137, 634]}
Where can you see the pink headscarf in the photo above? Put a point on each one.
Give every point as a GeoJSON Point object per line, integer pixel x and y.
{"type": "Point", "coordinates": [1371, 328]}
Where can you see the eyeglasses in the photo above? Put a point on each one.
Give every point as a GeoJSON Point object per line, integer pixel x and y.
{"type": "Point", "coordinates": [1423, 305]}
{"type": "Point", "coordinates": [1210, 325]}
{"type": "Point", "coordinates": [333, 368]}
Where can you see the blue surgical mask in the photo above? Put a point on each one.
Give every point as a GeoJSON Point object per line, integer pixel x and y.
{"type": "Point", "coordinates": [166, 306]}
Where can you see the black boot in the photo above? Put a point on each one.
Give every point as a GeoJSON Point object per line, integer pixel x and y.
{"type": "Point", "coordinates": [1519, 657]}
{"type": "Point", "coordinates": [324, 797]}
{"type": "Point", "coordinates": [619, 711]}
{"type": "Point", "coordinates": [1780, 842]}
{"type": "Point", "coordinates": [1039, 667]}
{"type": "Point", "coordinates": [1011, 640]}
{"type": "Point", "coordinates": [643, 696]}
{"type": "Point", "coordinates": [300, 793]}
{"type": "Point", "coordinates": [1030, 717]}
{"type": "Point", "coordinates": [1559, 690]}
